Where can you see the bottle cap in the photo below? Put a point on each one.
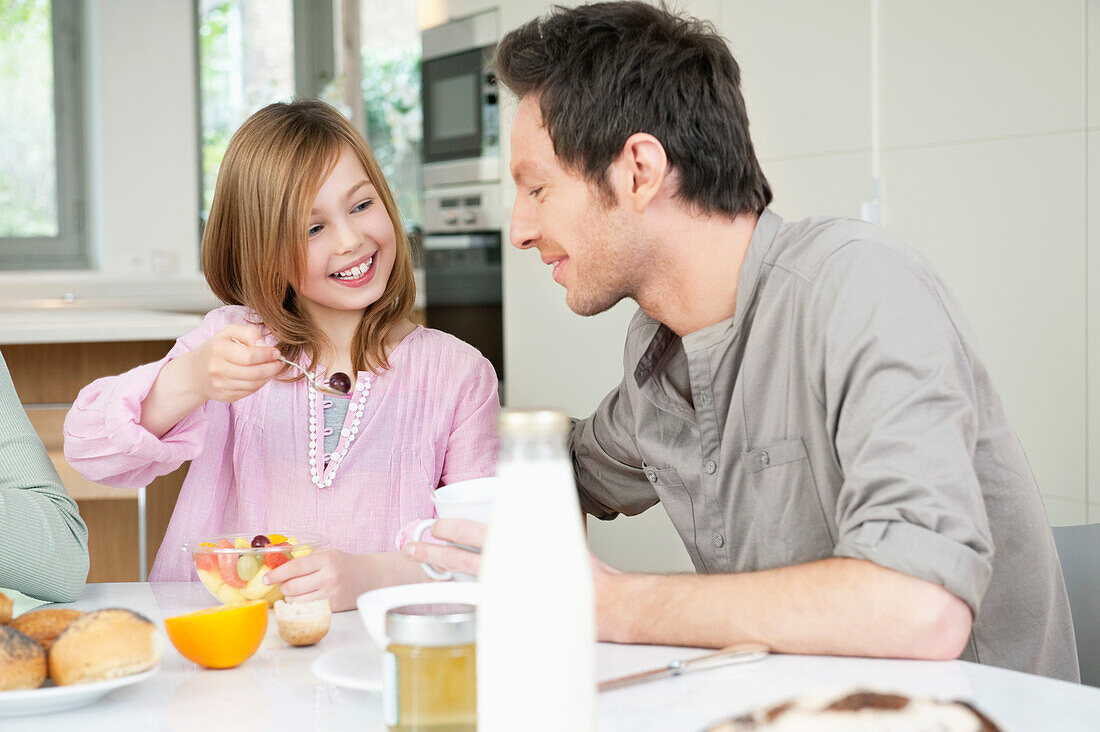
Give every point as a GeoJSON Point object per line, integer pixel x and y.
{"type": "Point", "coordinates": [550, 422]}
{"type": "Point", "coordinates": [436, 624]}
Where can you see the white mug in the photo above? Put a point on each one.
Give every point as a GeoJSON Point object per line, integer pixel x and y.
{"type": "Point", "coordinates": [468, 499]}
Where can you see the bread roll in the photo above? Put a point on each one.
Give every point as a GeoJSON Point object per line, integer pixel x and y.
{"type": "Point", "coordinates": [104, 644]}
{"type": "Point", "coordinates": [5, 609]}
{"type": "Point", "coordinates": [45, 625]}
{"type": "Point", "coordinates": [22, 660]}
{"type": "Point", "coordinates": [302, 623]}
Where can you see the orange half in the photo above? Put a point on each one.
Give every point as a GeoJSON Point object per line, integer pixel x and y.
{"type": "Point", "coordinates": [219, 637]}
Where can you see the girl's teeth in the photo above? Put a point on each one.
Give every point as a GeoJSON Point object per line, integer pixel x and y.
{"type": "Point", "coordinates": [355, 272]}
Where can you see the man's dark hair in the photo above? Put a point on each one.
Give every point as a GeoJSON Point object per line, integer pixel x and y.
{"type": "Point", "coordinates": [605, 71]}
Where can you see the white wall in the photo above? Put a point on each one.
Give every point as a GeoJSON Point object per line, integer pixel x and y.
{"type": "Point", "coordinates": [986, 111]}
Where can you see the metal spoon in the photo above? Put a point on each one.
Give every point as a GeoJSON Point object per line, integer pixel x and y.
{"type": "Point", "coordinates": [324, 388]}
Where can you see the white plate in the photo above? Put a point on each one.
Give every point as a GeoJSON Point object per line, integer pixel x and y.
{"type": "Point", "coordinates": [354, 667]}
{"type": "Point", "coordinates": [61, 698]}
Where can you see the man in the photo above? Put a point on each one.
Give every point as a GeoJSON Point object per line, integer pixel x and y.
{"type": "Point", "coordinates": [805, 399]}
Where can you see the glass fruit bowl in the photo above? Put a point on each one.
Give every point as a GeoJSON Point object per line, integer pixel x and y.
{"type": "Point", "coordinates": [232, 566]}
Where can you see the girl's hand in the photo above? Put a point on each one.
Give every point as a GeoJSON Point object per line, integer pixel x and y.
{"type": "Point", "coordinates": [218, 369]}
{"type": "Point", "coordinates": [226, 371]}
{"type": "Point", "coordinates": [339, 576]}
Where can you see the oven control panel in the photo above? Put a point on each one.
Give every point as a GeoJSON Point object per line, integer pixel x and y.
{"type": "Point", "coordinates": [460, 209]}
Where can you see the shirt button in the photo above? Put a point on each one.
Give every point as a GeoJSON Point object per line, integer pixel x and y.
{"type": "Point", "coordinates": [765, 459]}
{"type": "Point", "coordinates": [652, 475]}
{"type": "Point", "coordinates": [719, 540]}
{"type": "Point", "coordinates": [710, 466]}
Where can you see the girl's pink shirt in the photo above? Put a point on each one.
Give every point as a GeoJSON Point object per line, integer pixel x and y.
{"type": "Point", "coordinates": [429, 420]}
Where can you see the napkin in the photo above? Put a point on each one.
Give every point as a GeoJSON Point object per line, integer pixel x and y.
{"type": "Point", "coordinates": [21, 603]}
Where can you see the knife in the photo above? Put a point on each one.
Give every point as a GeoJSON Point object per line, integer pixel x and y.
{"type": "Point", "coordinates": [742, 653]}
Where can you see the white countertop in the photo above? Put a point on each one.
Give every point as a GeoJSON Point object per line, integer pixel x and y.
{"type": "Point", "coordinates": [79, 325]}
{"type": "Point", "coordinates": [276, 689]}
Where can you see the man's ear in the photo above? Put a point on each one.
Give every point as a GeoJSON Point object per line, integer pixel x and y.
{"type": "Point", "coordinates": [640, 170]}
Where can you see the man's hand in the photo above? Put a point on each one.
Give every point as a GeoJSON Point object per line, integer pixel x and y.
{"type": "Point", "coordinates": [339, 576]}
{"type": "Point", "coordinates": [609, 591]}
{"type": "Point", "coordinates": [446, 556]}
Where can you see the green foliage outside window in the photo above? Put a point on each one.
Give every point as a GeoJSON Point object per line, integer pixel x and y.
{"type": "Point", "coordinates": [28, 153]}
{"type": "Point", "coordinates": [391, 100]}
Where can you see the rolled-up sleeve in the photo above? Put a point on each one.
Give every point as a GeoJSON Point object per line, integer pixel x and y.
{"type": "Point", "coordinates": [901, 402]}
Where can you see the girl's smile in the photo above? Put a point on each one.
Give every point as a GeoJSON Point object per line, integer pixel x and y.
{"type": "Point", "coordinates": [358, 273]}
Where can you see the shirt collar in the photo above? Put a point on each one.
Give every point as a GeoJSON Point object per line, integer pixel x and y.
{"type": "Point", "coordinates": [767, 226]}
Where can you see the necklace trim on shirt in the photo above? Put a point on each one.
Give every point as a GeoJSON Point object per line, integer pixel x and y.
{"type": "Point", "coordinates": [323, 476]}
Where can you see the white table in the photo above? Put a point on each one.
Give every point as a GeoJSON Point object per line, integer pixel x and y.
{"type": "Point", "coordinates": [275, 689]}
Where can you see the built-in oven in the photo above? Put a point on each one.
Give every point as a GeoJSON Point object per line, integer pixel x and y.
{"type": "Point", "coordinates": [462, 204]}
{"type": "Point", "coordinates": [460, 105]}
{"type": "Point", "coordinates": [461, 257]}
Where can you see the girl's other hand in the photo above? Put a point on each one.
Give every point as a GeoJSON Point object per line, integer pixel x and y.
{"type": "Point", "coordinates": [325, 573]}
{"type": "Point", "coordinates": [225, 371]}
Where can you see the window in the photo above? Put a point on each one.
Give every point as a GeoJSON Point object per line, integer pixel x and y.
{"type": "Point", "coordinates": [246, 61]}
{"type": "Point", "coordinates": [255, 52]}
{"type": "Point", "coordinates": [390, 42]}
{"type": "Point", "coordinates": [41, 175]}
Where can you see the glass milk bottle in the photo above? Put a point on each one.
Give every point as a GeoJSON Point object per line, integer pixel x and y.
{"type": "Point", "coordinates": [536, 630]}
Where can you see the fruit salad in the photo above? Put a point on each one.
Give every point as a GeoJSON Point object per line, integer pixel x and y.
{"type": "Point", "coordinates": [232, 566]}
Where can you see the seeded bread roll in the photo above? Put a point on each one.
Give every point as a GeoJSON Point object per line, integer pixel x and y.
{"type": "Point", "coordinates": [302, 623]}
{"type": "Point", "coordinates": [104, 644]}
{"type": "Point", "coordinates": [22, 660]}
{"type": "Point", "coordinates": [45, 625]}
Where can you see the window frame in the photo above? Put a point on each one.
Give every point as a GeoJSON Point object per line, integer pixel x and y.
{"type": "Point", "coordinates": [69, 249]}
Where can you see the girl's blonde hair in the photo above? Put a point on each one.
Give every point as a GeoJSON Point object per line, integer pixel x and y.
{"type": "Point", "coordinates": [256, 238]}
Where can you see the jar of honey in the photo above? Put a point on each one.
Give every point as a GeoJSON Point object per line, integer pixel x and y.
{"type": "Point", "coordinates": [430, 669]}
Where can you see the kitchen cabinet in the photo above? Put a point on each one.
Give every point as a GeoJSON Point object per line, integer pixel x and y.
{"type": "Point", "coordinates": [52, 353]}
{"type": "Point", "coordinates": [47, 377]}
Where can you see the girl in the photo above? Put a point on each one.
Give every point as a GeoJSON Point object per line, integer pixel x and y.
{"type": "Point", "coordinates": [305, 243]}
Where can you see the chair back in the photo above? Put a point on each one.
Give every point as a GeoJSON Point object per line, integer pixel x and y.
{"type": "Point", "coordinates": [1079, 553]}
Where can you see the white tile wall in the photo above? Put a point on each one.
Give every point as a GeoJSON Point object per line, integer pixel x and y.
{"type": "Point", "coordinates": [1061, 512]}
{"type": "Point", "coordinates": [1092, 10]}
{"type": "Point", "coordinates": [980, 69]}
{"type": "Point", "coordinates": [1003, 222]}
{"type": "Point", "coordinates": [835, 183]}
{"type": "Point", "coordinates": [1093, 334]}
{"type": "Point", "coordinates": [805, 72]}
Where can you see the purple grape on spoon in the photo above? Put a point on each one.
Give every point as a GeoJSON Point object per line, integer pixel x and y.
{"type": "Point", "coordinates": [340, 381]}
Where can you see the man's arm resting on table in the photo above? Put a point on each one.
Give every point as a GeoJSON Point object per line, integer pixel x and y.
{"type": "Point", "coordinates": [837, 606]}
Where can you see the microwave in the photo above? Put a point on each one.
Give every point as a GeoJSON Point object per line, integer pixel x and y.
{"type": "Point", "coordinates": [460, 104]}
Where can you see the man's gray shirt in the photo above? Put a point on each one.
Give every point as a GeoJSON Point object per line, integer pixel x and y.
{"type": "Point", "coordinates": [844, 411]}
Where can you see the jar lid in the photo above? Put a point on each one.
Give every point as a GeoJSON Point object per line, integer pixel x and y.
{"type": "Point", "coordinates": [533, 422]}
{"type": "Point", "coordinates": [436, 624]}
